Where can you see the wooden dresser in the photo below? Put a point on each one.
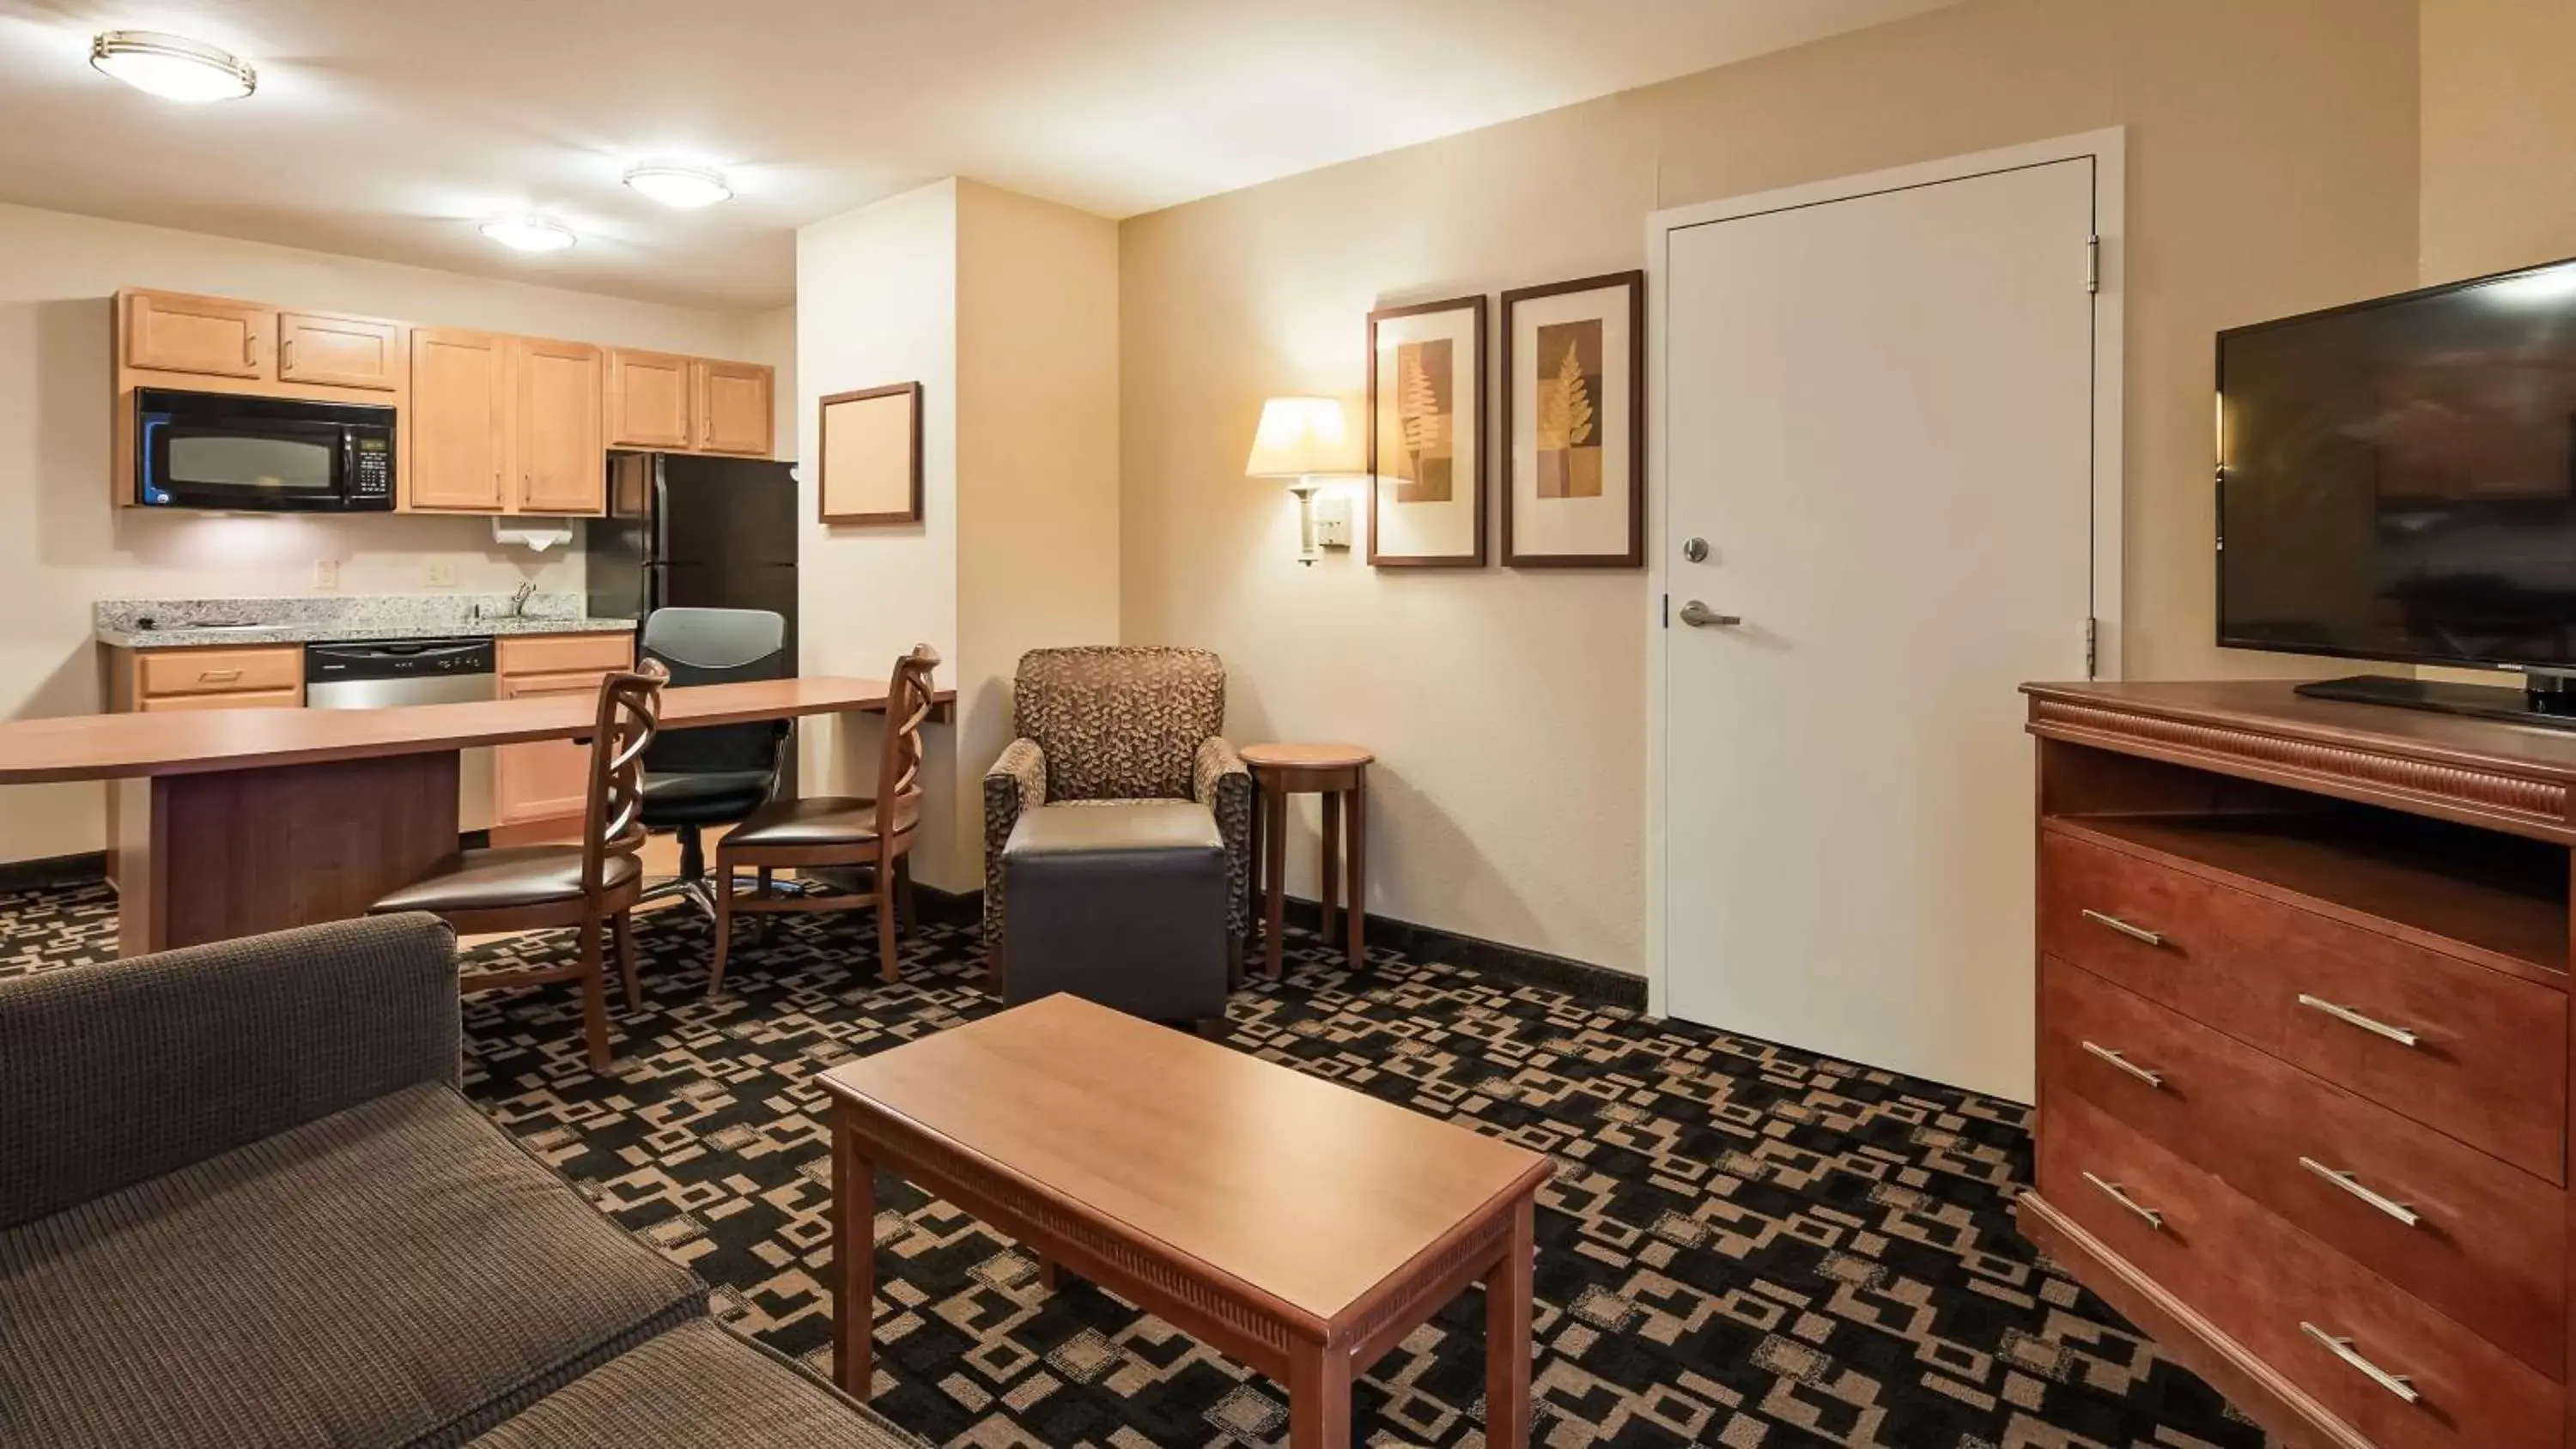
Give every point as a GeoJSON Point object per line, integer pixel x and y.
{"type": "Point", "coordinates": [2303, 1051]}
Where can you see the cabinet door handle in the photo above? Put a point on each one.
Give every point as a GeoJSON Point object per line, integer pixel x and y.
{"type": "Point", "coordinates": [217, 676]}
{"type": "Point", "coordinates": [2134, 933]}
{"type": "Point", "coordinates": [2152, 1079]}
{"type": "Point", "coordinates": [2117, 1194]}
{"type": "Point", "coordinates": [286, 354]}
{"type": "Point", "coordinates": [250, 349]}
{"type": "Point", "coordinates": [2350, 1017]}
{"type": "Point", "coordinates": [2398, 1384]}
{"type": "Point", "coordinates": [2352, 1184]}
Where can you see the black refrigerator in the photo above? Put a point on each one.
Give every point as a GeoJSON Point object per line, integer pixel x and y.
{"type": "Point", "coordinates": [694, 532]}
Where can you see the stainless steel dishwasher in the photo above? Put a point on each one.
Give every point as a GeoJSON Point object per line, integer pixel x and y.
{"type": "Point", "coordinates": [384, 673]}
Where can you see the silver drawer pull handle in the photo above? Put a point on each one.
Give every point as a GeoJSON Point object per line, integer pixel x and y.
{"type": "Point", "coordinates": [2134, 933]}
{"type": "Point", "coordinates": [2350, 1017]}
{"type": "Point", "coordinates": [2351, 1184]}
{"type": "Point", "coordinates": [2113, 1191]}
{"type": "Point", "coordinates": [2152, 1079]}
{"type": "Point", "coordinates": [2398, 1384]}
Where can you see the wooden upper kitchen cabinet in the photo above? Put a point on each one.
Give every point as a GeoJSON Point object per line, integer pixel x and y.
{"type": "Point", "coordinates": [457, 439]}
{"type": "Point", "coordinates": [504, 424]}
{"type": "Point", "coordinates": [649, 398]}
{"type": "Point", "coordinates": [209, 336]}
{"type": "Point", "coordinates": [337, 351]}
{"type": "Point", "coordinates": [672, 404]}
{"type": "Point", "coordinates": [562, 449]}
{"type": "Point", "coordinates": [735, 413]}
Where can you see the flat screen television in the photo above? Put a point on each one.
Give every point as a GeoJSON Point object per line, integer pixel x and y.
{"type": "Point", "coordinates": [2397, 478]}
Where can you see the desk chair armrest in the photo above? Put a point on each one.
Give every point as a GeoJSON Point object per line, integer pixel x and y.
{"type": "Point", "coordinates": [1220, 781]}
{"type": "Point", "coordinates": [114, 1073]}
{"type": "Point", "coordinates": [1017, 782]}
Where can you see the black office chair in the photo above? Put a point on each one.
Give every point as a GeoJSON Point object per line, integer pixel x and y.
{"type": "Point", "coordinates": [718, 774]}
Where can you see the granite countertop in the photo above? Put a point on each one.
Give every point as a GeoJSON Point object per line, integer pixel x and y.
{"type": "Point", "coordinates": [203, 623]}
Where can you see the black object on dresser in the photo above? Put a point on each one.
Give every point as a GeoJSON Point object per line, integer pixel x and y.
{"type": "Point", "coordinates": [2303, 1058]}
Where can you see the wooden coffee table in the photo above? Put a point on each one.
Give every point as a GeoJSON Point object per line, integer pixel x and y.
{"type": "Point", "coordinates": [1296, 1225]}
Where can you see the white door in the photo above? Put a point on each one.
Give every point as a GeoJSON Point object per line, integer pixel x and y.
{"type": "Point", "coordinates": [1879, 415]}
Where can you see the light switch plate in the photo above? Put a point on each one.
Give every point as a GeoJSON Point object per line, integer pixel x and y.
{"type": "Point", "coordinates": [1332, 523]}
{"type": "Point", "coordinates": [326, 574]}
{"type": "Point", "coordinates": [440, 573]}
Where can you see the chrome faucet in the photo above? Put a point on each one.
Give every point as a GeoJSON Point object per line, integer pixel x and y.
{"type": "Point", "coordinates": [519, 599]}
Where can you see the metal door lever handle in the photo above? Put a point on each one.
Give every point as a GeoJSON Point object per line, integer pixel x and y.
{"type": "Point", "coordinates": [1699, 616]}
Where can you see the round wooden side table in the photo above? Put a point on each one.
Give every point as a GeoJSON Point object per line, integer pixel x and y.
{"type": "Point", "coordinates": [1338, 773]}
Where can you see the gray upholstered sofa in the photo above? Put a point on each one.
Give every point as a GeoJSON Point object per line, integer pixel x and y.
{"type": "Point", "coordinates": [242, 1202]}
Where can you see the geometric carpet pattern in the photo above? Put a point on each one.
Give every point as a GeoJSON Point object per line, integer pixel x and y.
{"type": "Point", "coordinates": [1744, 1245]}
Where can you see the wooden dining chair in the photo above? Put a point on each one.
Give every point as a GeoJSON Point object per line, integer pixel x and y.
{"type": "Point", "coordinates": [591, 886]}
{"type": "Point", "coordinates": [873, 833]}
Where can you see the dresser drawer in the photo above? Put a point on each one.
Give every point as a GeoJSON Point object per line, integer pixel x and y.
{"type": "Point", "coordinates": [2473, 1052]}
{"type": "Point", "coordinates": [561, 653]}
{"type": "Point", "coordinates": [2281, 1294]}
{"type": "Point", "coordinates": [219, 671]}
{"type": "Point", "coordinates": [2483, 1241]}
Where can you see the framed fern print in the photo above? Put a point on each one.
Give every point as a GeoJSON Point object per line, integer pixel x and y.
{"type": "Point", "coordinates": [1574, 424]}
{"type": "Point", "coordinates": [1426, 435]}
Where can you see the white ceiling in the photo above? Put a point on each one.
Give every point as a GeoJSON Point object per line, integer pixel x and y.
{"type": "Point", "coordinates": [388, 128]}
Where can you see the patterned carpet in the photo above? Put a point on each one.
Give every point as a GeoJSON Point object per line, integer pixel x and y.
{"type": "Point", "coordinates": [1744, 1245]}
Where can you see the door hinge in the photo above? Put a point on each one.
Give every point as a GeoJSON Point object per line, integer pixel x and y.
{"type": "Point", "coordinates": [2092, 646]}
{"type": "Point", "coordinates": [1665, 609]}
{"type": "Point", "coordinates": [2093, 265]}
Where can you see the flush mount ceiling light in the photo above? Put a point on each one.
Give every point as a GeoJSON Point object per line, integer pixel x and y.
{"type": "Point", "coordinates": [172, 67]}
{"type": "Point", "coordinates": [687, 187]}
{"type": "Point", "coordinates": [529, 233]}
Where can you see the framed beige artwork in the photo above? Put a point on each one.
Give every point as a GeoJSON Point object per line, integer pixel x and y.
{"type": "Point", "coordinates": [871, 469]}
{"type": "Point", "coordinates": [1574, 424]}
{"type": "Point", "coordinates": [1426, 435]}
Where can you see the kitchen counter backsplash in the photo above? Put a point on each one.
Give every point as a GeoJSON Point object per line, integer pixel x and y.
{"type": "Point", "coordinates": [167, 623]}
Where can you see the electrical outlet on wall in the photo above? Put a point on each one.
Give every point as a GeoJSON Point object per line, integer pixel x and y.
{"type": "Point", "coordinates": [326, 574]}
{"type": "Point", "coordinates": [439, 573]}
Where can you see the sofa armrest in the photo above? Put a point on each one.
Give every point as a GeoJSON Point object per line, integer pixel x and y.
{"type": "Point", "coordinates": [117, 1072]}
{"type": "Point", "coordinates": [1016, 782]}
{"type": "Point", "coordinates": [1220, 781]}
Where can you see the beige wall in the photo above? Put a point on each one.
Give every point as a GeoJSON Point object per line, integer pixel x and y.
{"type": "Point", "coordinates": [2499, 136]}
{"type": "Point", "coordinates": [62, 543]}
{"type": "Point", "coordinates": [2272, 165]}
{"type": "Point", "coordinates": [876, 303]}
{"type": "Point", "coordinates": [1037, 451]}
{"type": "Point", "coordinates": [1005, 309]}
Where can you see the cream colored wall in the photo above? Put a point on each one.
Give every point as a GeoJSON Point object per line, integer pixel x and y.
{"type": "Point", "coordinates": [62, 543]}
{"type": "Point", "coordinates": [2499, 136]}
{"type": "Point", "coordinates": [1037, 451]}
{"type": "Point", "coordinates": [1005, 309]}
{"type": "Point", "coordinates": [876, 303]}
{"type": "Point", "coordinates": [2272, 167]}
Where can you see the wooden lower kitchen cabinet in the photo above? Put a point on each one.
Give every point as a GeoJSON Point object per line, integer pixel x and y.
{"type": "Point", "coordinates": [2304, 1059]}
{"type": "Point", "coordinates": [258, 676]}
{"type": "Point", "coordinates": [538, 790]}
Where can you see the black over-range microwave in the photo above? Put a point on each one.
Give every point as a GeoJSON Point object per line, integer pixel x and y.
{"type": "Point", "coordinates": [261, 454]}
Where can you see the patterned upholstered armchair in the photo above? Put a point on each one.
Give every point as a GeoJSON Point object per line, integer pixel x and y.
{"type": "Point", "coordinates": [1119, 722]}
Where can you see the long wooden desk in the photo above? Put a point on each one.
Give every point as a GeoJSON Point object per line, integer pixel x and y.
{"type": "Point", "coordinates": [234, 822]}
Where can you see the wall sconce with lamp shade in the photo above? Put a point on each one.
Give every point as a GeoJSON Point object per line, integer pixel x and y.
{"type": "Point", "coordinates": [1303, 440]}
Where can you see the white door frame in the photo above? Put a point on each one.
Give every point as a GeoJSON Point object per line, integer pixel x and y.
{"type": "Point", "coordinates": [2108, 150]}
